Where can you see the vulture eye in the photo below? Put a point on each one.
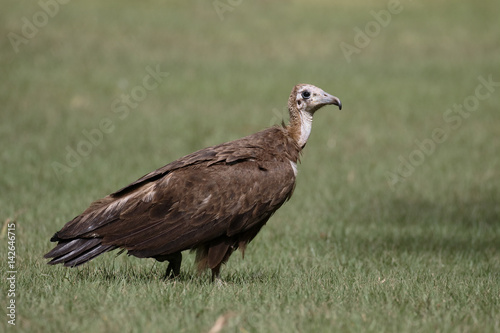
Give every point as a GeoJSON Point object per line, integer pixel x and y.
{"type": "Point", "coordinates": [306, 94]}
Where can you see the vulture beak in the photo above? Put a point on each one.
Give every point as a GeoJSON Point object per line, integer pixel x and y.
{"type": "Point", "coordinates": [326, 99]}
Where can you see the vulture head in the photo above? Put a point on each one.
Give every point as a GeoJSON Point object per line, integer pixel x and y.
{"type": "Point", "coordinates": [309, 98]}
{"type": "Point", "coordinates": [304, 100]}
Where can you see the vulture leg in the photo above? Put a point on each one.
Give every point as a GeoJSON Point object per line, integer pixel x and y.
{"type": "Point", "coordinates": [174, 264]}
{"type": "Point", "coordinates": [216, 273]}
{"type": "Point", "coordinates": [218, 255]}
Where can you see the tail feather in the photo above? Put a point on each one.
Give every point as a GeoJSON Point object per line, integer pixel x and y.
{"type": "Point", "coordinates": [77, 251]}
{"type": "Point", "coordinates": [65, 247]}
{"type": "Point", "coordinates": [89, 255]}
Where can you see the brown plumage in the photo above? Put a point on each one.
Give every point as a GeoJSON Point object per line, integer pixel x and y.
{"type": "Point", "coordinates": [213, 201]}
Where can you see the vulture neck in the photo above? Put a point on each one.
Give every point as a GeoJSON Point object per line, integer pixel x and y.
{"type": "Point", "coordinates": [300, 126]}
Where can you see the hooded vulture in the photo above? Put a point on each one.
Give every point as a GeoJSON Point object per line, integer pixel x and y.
{"type": "Point", "coordinates": [213, 201]}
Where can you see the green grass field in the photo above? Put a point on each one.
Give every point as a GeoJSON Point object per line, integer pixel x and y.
{"type": "Point", "coordinates": [395, 221]}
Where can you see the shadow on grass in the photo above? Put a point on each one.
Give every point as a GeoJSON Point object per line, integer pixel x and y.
{"type": "Point", "coordinates": [155, 273]}
{"type": "Point", "coordinates": [452, 225]}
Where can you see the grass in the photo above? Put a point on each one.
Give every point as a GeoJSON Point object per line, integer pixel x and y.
{"type": "Point", "coordinates": [348, 252]}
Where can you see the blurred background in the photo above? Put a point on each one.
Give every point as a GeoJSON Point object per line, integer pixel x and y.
{"type": "Point", "coordinates": [95, 94]}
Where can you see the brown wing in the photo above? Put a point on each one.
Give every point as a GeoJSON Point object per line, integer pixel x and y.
{"type": "Point", "coordinates": [218, 191]}
{"type": "Point", "coordinates": [194, 205]}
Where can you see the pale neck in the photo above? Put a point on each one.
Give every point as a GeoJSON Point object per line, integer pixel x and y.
{"type": "Point", "coordinates": [300, 127]}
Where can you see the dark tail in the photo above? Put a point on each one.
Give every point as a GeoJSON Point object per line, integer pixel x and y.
{"type": "Point", "coordinates": [74, 252]}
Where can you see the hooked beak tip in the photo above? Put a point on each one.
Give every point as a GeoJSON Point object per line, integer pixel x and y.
{"type": "Point", "coordinates": [336, 101]}
{"type": "Point", "coordinates": [339, 104]}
